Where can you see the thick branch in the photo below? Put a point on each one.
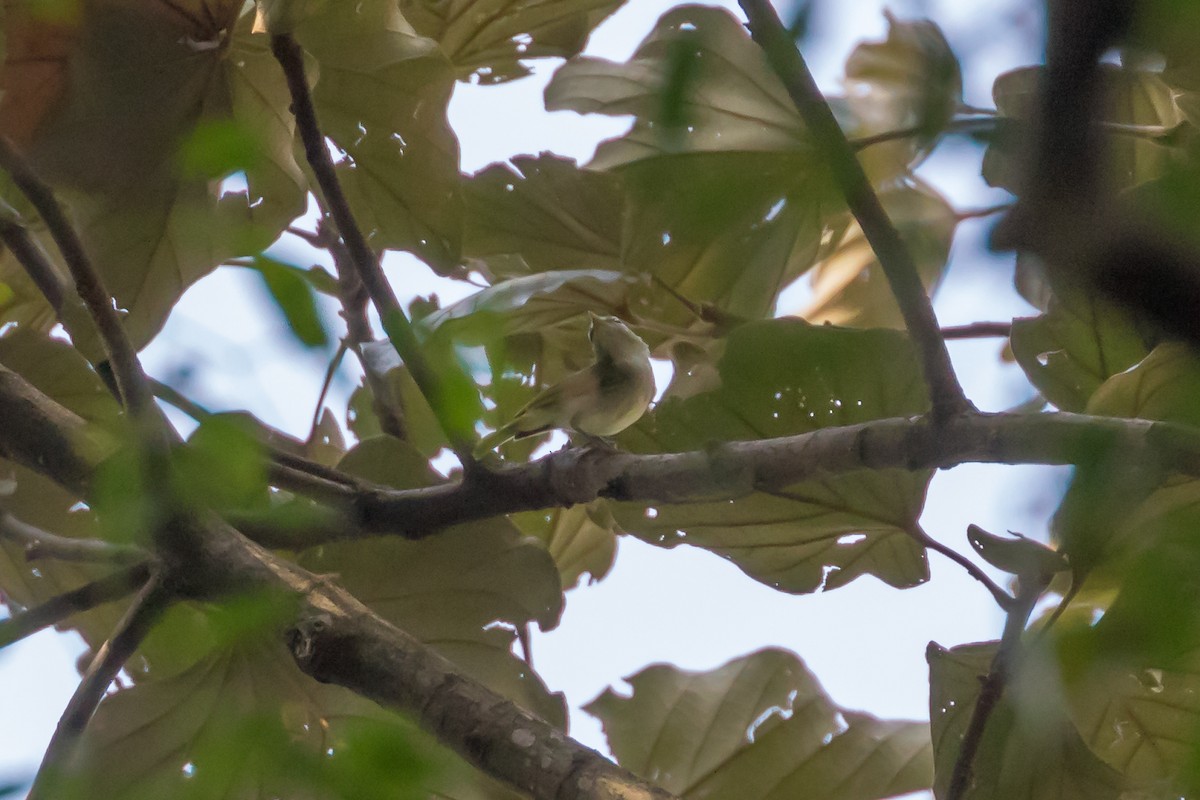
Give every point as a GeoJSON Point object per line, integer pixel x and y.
{"type": "Point", "coordinates": [944, 390]}
{"type": "Point", "coordinates": [291, 58]}
{"type": "Point", "coordinates": [736, 469]}
{"type": "Point", "coordinates": [58, 608]}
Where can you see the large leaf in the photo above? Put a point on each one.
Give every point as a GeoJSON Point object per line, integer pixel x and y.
{"type": "Point", "coordinates": [547, 210]}
{"type": "Point", "coordinates": [244, 722]}
{"type": "Point", "coordinates": [581, 539]}
{"type": "Point", "coordinates": [1133, 97]}
{"type": "Point", "coordinates": [787, 377]}
{"type": "Point", "coordinates": [758, 727]}
{"type": "Point", "coordinates": [1080, 342]}
{"type": "Point", "coordinates": [488, 41]}
{"type": "Point", "coordinates": [744, 228]}
{"type": "Point", "coordinates": [849, 286]}
{"type": "Point", "coordinates": [143, 80]}
{"type": "Point", "coordinates": [1029, 748]}
{"type": "Point", "coordinates": [696, 83]}
{"type": "Point", "coordinates": [465, 591]}
{"type": "Point", "coordinates": [382, 96]}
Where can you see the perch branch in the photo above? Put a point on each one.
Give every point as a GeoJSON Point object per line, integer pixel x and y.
{"type": "Point", "coordinates": [944, 390]}
{"type": "Point", "coordinates": [399, 330]}
{"type": "Point", "coordinates": [43, 544]}
{"type": "Point", "coordinates": [86, 597]}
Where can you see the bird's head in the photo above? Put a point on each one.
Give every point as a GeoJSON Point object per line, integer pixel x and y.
{"type": "Point", "coordinates": [612, 339]}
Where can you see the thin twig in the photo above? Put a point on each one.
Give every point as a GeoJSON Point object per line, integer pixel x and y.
{"type": "Point", "coordinates": [86, 597]}
{"type": "Point", "coordinates": [399, 330]}
{"type": "Point", "coordinates": [36, 263]}
{"type": "Point", "coordinates": [173, 397]}
{"type": "Point", "coordinates": [980, 213]}
{"type": "Point", "coordinates": [1002, 598]}
{"type": "Point", "coordinates": [977, 330]}
{"type": "Point", "coordinates": [122, 357]}
{"type": "Point", "coordinates": [945, 393]}
{"type": "Point", "coordinates": [964, 125]}
{"type": "Point", "coordinates": [58, 760]}
{"type": "Point", "coordinates": [43, 544]}
{"type": "Point", "coordinates": [334, 363]}
{"type": "Point", "coordinates": [992, 687]}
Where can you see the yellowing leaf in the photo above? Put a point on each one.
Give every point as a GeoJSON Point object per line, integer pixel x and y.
{"type": "Point", "coordinates": [849, 287]}
{"type": "Point", "coordinates": [759, 726]}
{"type": "Point", "coordinates": [581, 539]}
{"type": "Point", "coordinates": [786, 377]}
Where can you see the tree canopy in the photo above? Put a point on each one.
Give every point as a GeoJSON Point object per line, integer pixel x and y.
{"type": "Point", "coordinates": [335, 616]}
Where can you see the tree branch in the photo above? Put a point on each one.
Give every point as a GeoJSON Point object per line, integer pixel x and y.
{"type": "Point", "coordinates": [43, 544]}
{"type": "Point", "coordinates": [1002, 598]}
{"type": "Point", "coordinates": [109, 660]}
{"type": "Point", "coordinates": [977, 330]}
{"type": "Point", "coordinates": [944, 390]}
{"type": "Point", "coordinates": [122, 357]}
{"type": "Point", "coordinates": [291, 58]}
{"type": "Point", "coordinates": [86, 597]}
{"type": "Point", "coordinates": [737, 469]}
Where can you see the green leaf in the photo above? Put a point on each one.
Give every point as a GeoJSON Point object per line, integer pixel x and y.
{"type": "Point", "coordinates": [1015, 554]}
{"type": "Point", "coordinates": [581, 539]}
{"type": "Point", "coordinates": [216, 149]}
{"type": "Point", "coordinates": [489, 41]}
{"type": "Point", "coordinates": [1080, 342]}
{"type": "Point", "coordinates": [760, 726]}
{"type": "Point", "coordinates": [547, 210]}
{"type": "Point", "coordinates": [294, 297]}
{"type": "Point", "coordinates": [463, 592]}
{"type": "Point", "coordinates": [1029, 749]}
{"type": "Point", "coordinates": [381, 96]}
{"type": "Point", "coordinates": [848, 285]}
{"type": "Point", "coordinates": [733, 98]}
{"type": "Point", "coordinates": [780, 378]}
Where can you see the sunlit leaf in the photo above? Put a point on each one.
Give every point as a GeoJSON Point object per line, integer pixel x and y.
{"type": "Point", "coordinates": [786, 377]}
{"type": "Point", "coordinates": [223, 466]}
{"type": "Point", "coordinates": [758, 727]}
{"type": "Point", "coordinates": [489, 41]}
{"type": "Point", "coordinates": [1029, 748]}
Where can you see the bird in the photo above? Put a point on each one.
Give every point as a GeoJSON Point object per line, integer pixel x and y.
{"type": "Point", "coordinates": [600, 400]}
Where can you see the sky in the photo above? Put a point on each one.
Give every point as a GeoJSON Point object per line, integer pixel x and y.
{"type": "Point", "coordinates": [866, 641]}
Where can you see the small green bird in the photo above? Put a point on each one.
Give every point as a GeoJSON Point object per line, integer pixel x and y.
{"type": "Point", "coordinates": [601, 400]}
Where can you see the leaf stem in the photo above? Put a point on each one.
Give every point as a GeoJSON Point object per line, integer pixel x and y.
{"type": "Point", "coordinates": [977, 330]}
{"type": "Point", "coordinates": [1002, 598]}
{"type": "Point", "coordinates": [395, 324]}
{"type": "Point", "coordinates": [55, 770]}
{"type": "Point", "coordinates": [945, 393]}
{"type": "Point", "coordinates": [58, 608]}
